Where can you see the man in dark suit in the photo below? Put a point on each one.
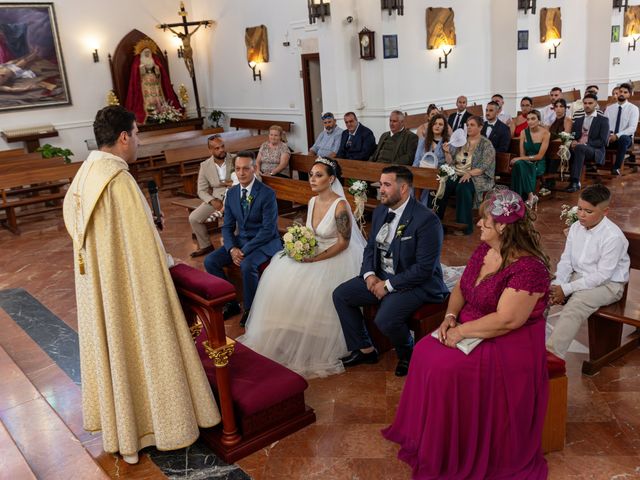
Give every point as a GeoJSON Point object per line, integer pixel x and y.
{"type": "Point", "coordinates": [398, 145]}
{"type": "Point", "coordinates": [459, 118]}
{"type": "Point", "coordinates": [497, 132]}
{"type": "Point", "coordinates": [400, 272]}
{"type": "Point", "coordinates": [251, 211]}
{"type": "Point", "coordinates": [591, 134]}
{"type": "Point", "coordinates": [357, 141]}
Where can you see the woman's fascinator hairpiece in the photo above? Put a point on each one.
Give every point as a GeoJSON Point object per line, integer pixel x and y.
{"type": "Point", "coordinates": [506, 206]}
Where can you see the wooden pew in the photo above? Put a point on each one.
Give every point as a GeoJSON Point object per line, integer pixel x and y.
{"type": "Point", "coordinates": [12, 152]}
{"type": "Point", "coordinates": [472, 109]}
{"type": "Point", "coordinates": [21, 157]}
{"type": "Point", "coordinates": [259, 125]}
{"type": "Point", "coordinates": [154, 145]}
{"type": "Point", "coordinates": [153, 133]}
{"type": "Point", "coordinates": [605, 325]}
{"type": "Point", "coordinates": [31, 176]}
{"type": "Point", "coordinates": [186, 156]}
{"type": "Point", "coordinates": [569, 95]}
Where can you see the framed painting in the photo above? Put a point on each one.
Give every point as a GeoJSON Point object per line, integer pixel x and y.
{"type": "Point", "coordinates": [390, 46]}
{"type": "Point", "coordinates": [32, 73]}
{"type": "Point", "coordinates": [615, 33]}
{"type": "Point", "coordinates": [523, 39]}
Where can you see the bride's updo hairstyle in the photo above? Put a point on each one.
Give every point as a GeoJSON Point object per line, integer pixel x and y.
{"type": "Point", "coordinates": [331, 166]}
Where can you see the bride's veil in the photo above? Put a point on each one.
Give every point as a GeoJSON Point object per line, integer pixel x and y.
{"type": "Point", "coordinates": [357, 239]}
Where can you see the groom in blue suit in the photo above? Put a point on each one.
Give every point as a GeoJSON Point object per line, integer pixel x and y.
{"type": "Point", "coordinates": [250, 230]}
{"type": "Point", "coordinates": [400, 272]}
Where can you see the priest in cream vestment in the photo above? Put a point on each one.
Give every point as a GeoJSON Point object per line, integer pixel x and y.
{"type": "Point", "coordinates": [142, 381]}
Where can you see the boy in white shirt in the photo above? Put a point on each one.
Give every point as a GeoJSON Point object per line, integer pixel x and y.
{"type": "Point", "coordinates": [593, 269]}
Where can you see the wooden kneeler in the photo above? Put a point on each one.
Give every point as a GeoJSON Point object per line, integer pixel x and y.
{"type": "Point", "coordinates": [555, 421]}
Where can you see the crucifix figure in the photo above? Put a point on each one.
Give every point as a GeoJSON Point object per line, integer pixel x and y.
{"type": "Point", "coordinates": [185, 37]}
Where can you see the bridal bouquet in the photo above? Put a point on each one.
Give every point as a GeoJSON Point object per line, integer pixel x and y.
{"type": "Point", "coordinates": [299, 242]}
{"type": "Point", "coordinates": [445, 172]}
{"type": "Point", "coordinates": [358, 188]}
{"type": "Point", "coordinates": [564, 153]}
{"type": "Point", "coordinates": [569, 214]}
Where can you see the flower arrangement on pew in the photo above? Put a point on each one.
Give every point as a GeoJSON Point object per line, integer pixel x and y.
{"type": "Point", "coordinates": [358, 188]}
{"type": "Point", "coordinates": [564, 153]}
{"type": "Point", "coordinates": [299, 243]}
{"type": "Point", "coordinates": [445, 172]}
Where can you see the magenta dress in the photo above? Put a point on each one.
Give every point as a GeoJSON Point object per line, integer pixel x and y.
{"type": "Point", "coordinates": [479, 416]}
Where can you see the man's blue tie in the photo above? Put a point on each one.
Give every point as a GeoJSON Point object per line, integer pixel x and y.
{"type": "Point", "coordinates": [617, 129]}
{"type": "Point", "coordinates": [244, 202]}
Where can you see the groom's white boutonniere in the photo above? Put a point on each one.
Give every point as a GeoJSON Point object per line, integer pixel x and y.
{"type": "Point", "coordinates": [400, 229]}
{"type": "Point", "coordinates": [249, 199]}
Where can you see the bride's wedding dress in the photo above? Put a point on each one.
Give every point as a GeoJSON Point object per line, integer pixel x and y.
{"type": "Point", "coordinates": [292, 319]}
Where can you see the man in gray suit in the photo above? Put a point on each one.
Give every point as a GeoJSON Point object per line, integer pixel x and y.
{"type": "Point", "coordinates": [213, 180]}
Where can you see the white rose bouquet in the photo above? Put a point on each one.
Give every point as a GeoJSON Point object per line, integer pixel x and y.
{"type": "Point", "coordinates": [299, 242]}
{"type": "Point", "coordinates": [569, 214]}
{"type": "Point", "coordinates": [445, 172]}
{"type": "Point", "coordinates": [358, 188]}
{"type": "Point", "coordinates": [564, 153]}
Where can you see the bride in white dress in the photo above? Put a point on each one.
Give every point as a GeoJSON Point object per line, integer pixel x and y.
{"type": "Point", "coordinates": [293, 320]}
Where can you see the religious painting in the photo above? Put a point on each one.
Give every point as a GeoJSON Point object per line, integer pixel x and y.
{"type": "Point", "coordinates": [32, 71]}
{"type": "Point", "coordinates": [390, 46]}
{"type": "Point", "coordinates": [615, 33]}
{"type": "Point", "coordinates": [550, 24]}
{"type": "Point", "coordinates": [255, 38]}
{"type": "Point", "coordinates": [441, 30]}
{"type": "Point", "coordinates": [632, 21]}
{"type": "Point", "coordinates": [523, 39]}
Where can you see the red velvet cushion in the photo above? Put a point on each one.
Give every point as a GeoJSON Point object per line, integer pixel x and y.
{"type": "Point", "coordinates": [555, 366]}
{"type": "Point", "coordinates": [257, 382]}
{"type": "Point", "coordinates": [199, 282]}
{"type": "Point", "coordinates": [429, 309]}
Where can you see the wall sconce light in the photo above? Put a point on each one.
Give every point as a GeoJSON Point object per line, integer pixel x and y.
{"type": "Point", "coordinates": [318, 9]}
{"type": "Point", "coordinates": [527, 5]}
{"type": "Point", "coordinates": [553, 53]}
{"type": "Point", "coordinates": [620, 4]}
{"type": "Point", "coordinates": [252, 66]}
{"type": "Point", "coordinates": [96, 57]}
{"type": "Point", "coordinates": [180, 52]}
{"type": "Point", "coordinates": [444, 62]}
{"type": "Point", "coordinates": [392, 5]}
{"type": "Point", "coordinates": [632, 46]}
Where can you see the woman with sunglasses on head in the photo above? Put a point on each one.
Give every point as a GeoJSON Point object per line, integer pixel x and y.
{"type": "Point", "coordinates": [475, 166]}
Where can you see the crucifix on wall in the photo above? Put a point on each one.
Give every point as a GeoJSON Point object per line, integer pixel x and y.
{"type": "Point", "coordinates": [185, 37]}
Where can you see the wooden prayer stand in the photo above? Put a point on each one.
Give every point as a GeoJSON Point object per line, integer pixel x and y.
{"type": "Point", "coordinates": [30, 137]}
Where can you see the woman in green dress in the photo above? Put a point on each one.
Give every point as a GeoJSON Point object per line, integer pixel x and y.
{"type": "Point", "coordinates": [534, 141]}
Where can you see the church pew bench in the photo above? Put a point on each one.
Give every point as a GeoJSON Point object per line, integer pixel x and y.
{"type": "Point", "coordinates": [474, 109]}
{"type": "Point", "coordinates": [606, 324]}
{"type": "Point", "coordinates": [191, 204]}
{"type": "Point", "coordinates": [259, 125]}
{"type": "Point", "coordinates": [543, 100]}
{"type": "Point", "coordinates": [32, 176]}
{"type": "Point", "coordinates": [260, 401]}
{"type": "Point", "coordinates": [199, 153]}
{"type": "Point", "coordinates": [12, 152]}
{"type": "Point", "coordinates": [154, 133]}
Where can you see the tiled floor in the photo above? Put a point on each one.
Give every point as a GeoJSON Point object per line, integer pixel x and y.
{"type": "Point", "coordinates": [603, 434]}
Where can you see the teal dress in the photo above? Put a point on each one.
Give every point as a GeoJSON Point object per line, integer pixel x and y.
{"type": "Point", "coordinates": [525, 172]}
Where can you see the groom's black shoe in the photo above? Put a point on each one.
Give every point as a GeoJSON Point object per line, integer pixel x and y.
{"type": "Point", "coordinates": [230, 309]}
{"type": "Point", "coordinates": [357, 357]}
{"type": "Point", "coordinates": [243, 320]}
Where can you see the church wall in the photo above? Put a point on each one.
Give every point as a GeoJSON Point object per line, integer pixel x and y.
{"type": "Point", "coordinates": [629, 66]}
{"type": "Point", "coordinates": [84, 25]}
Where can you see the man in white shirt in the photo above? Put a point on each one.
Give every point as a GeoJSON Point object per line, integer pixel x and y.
{"type": "Point", "coordinates": [214, 178]}
{"type": "Point", "coordinates": [502, 116]}
{"type": "Point", "coordinates": [548, 113]}
{"type": "Point", "coordinates": [593, 269]}
{"type": "Point", "coordinates": [623, 121]}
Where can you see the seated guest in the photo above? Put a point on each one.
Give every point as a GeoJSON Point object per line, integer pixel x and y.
{"type": "Point", "coordinates": [328, 142]}
{"type": "Point", "coordinates": [475, 166]}
{"type": "Point", "coordinates": [577, 109]}
{"type": "Point", "coordinates": [273, 156]}
{"type": "Point", "coordinates": [526, 168]}
{"type": "Point", "coordinates": [502, 115]}
{"type": "Point", "coordinates": [437, 136]}
{"type": "Point", "coordinates": [526, 104]}
{"type": "Point", "coordinates": [459, 118]}
{"type": "Point", "coordinates": [358, 141]}
{"type": "Point", "coordinates": [591, 135]}
{"type": "Point", "coordinates": [400, 272]}
{"type": "Point", "coordinates": [497, 132]}
{"type": "Point", "coordinates": [250, 231]}
{"type": "Point", "coordinates": [593, 269]}
{"type": "Point", "coordinates": [623, 122]}
{"type": "Point", "coordinates": [548, 113]}
{"type": "Point", "coordinates": [432, 110]}
{"type": "Point", "coordinates": [214, 178]}
{"type": "Point", "coordinates": [563, 122]}
{"type": "Point", "coordinates": [481, 416]}
{"type": "Point", "coordinates": [398, 145]}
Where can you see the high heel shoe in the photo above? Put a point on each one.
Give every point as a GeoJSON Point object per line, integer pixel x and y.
{"type": "Point", "coordinates": [533, 203]}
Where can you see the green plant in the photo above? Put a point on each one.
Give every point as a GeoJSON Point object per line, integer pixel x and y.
{"type": "Point", "coordinates": [49, 151]}
{"type": "Point", "coordinates": [215, 116]}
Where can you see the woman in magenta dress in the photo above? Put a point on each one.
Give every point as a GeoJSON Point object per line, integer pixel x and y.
{"type": "Point", "coordinates": [480, 416]}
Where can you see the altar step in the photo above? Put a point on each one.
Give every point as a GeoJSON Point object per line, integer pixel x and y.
{"type": "Point", "coordinates": [34, 441]}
